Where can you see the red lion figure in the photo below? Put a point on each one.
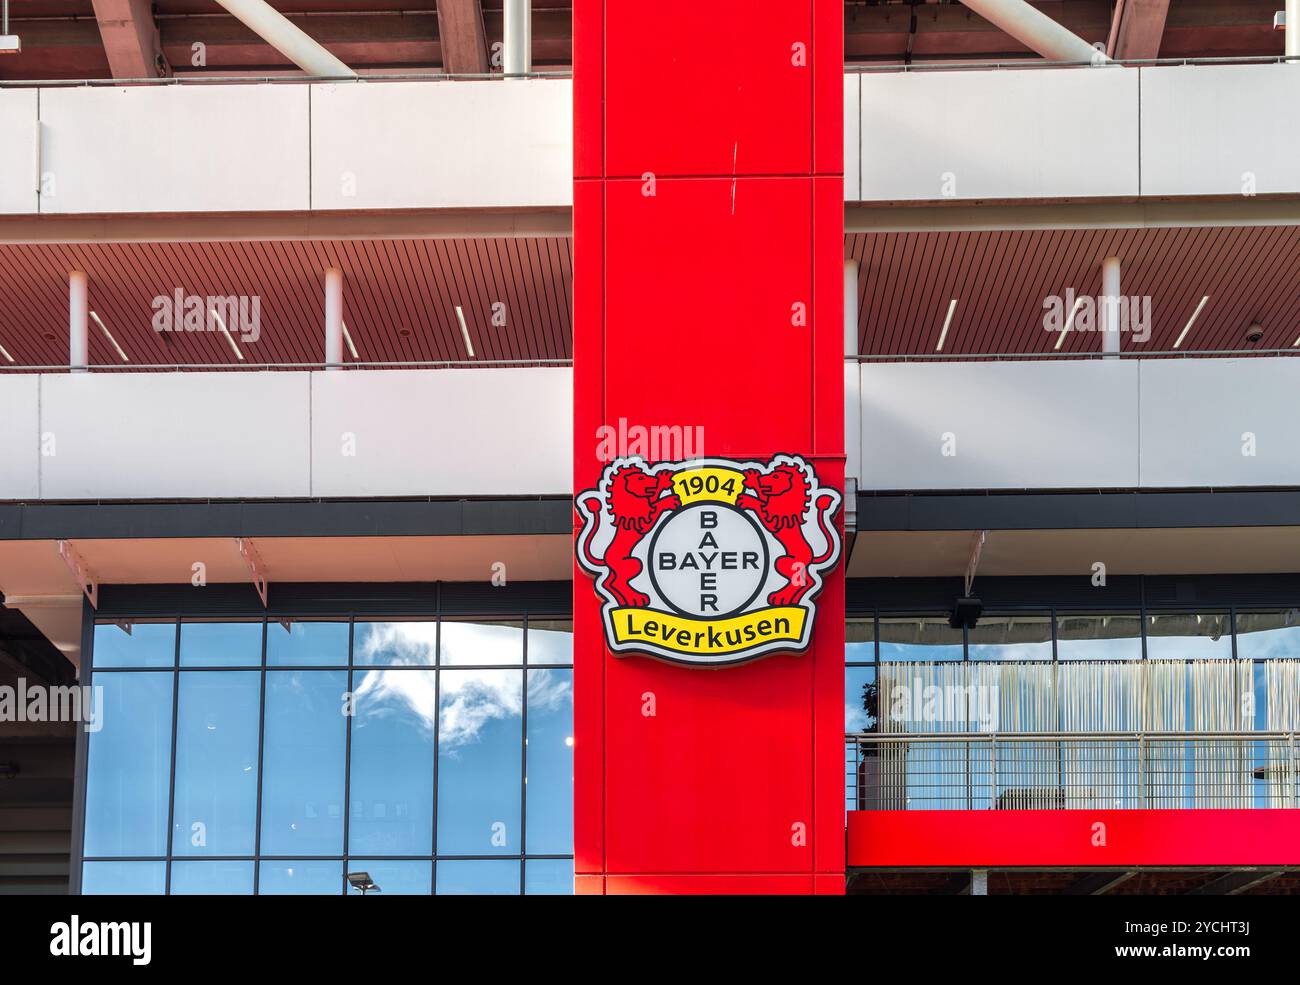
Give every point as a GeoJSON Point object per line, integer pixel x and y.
{"type": "Point", "coordinates": [636, 501]}
{"type": "Point", "coordinates": [780, 498]}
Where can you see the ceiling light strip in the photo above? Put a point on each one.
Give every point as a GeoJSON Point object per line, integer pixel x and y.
{"type": "Point", "coordinates": [1188, 327]}
{"type": "Point", "coordinates": [464, 331]}
{"type": "Point", "coordinates": [109, 335]}
{"type": "Point", "coordinates": [226, 332]}
{"type": "Point", "coordinates": [943, 336]}
{"type": "Point", "coordinates": [1069, 323]}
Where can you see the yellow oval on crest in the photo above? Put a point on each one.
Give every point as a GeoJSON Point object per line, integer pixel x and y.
{"type": "Point", "coordinates": [708, 484]}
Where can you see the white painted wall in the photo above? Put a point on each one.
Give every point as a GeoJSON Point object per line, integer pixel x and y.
{"type": "Point", "coordinates": [1213, 129]}
{"type": "Point", "coordinates": [455, 432]}
{"type": "Point", "coordinates": [464, 144]}
{"type": "Point", "coordinates": [192, 148]}
{"type": "Point", "coordinates": [1078, 424]}
{"type": "Point", "coordinates": [181, 435]}
{"type": "Point", "coordinates": [1199, 417]}
{"type": "Point", "coordinates": [290, 147]}
{"type": "Point", "coordinates": [852, 136]}
{"type": "Point", "coordinates": [853, 416]}
{"type": "Point", "coordinates": [20, 436]}
{"type": "Point", "coordinates": [1068, 424]}
{"type": "Point", "coordinates": [18, 161]}
{"type": "Point", "coordinates": [1014, 425]}
{"type": "Point", "coordinates": [472, 432]}
{"type": "Point", "coordinates": [1003, 135]}
{"type": "Point", "coordinates": [961, 135]}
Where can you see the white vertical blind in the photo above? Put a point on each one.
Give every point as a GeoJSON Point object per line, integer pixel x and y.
{"type": "Point", "coordinates": [1146, 696]}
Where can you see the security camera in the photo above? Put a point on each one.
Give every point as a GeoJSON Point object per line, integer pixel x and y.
{"type": "Point", "coordinates": [1254, 333]}
{"type": "Point", "coordinates": [965, 612]}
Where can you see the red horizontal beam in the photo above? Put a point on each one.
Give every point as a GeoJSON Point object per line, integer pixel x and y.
{"type": "Point", "coordinates": [1040, 839]}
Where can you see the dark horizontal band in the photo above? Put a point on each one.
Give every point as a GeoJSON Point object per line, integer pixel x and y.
{"type": "Point", "coordinates": [1078, 510]}
{"type": "Point", "coordinates": [287, 518]}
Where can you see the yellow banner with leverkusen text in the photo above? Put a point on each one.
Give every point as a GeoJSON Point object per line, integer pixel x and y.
{"type": "Point", "coordinates": [709, 636]}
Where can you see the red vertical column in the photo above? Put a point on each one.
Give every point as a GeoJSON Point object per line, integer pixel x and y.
{"type": "Point", "coordinates": [708, 293]}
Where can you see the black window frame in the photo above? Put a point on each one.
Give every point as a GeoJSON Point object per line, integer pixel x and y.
{"type": "Point", "coordinates": [351, 603]}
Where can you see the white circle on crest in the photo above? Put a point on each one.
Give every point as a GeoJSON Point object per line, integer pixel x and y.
{"type": "Point", "coordinates": [708, 560]}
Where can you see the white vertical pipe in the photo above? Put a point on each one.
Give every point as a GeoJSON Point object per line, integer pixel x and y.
{"type": "Point", "coordinates": [287, 38]}
{"type": "Point", "coordinates": [1037, 31]}
{"type": "Point", "coordinates": [78, 321]}
{"type": "Point", "coordinates": [333, 318]}
{"type": "Point", "coordinates": [517, 41]}
{"type": "Point", "coordinates": [851, 307]}
{"type": "Point", "coordinates": [1293, 28]}
{"type": "Point", "coordinates": [1110, 305]}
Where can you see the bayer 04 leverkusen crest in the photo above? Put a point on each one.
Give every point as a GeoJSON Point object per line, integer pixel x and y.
{"type": "Point", "coordinates": [711, 561]}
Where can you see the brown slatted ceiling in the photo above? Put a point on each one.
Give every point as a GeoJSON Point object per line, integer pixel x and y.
{"type": "Point", "coordinates": [1001, 279]}
{"type": "Point", "coordinates": [390, 286]}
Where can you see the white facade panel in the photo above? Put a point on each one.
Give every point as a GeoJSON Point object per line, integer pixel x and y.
{"type": "Point", "coordinates": [175, 148]}
{"type": "Point", "coordinates": [1072, 424]}
{"type": "Point", "coordinates": [488, 432]}
{"type": "Point", "coordinates": [852, 137]}
{"type": "Point", "coordinates": [908, 136]}
{"type": "Point", "coordinates": [852, 419]}
{"type": "Point", "coordinates": [1000, 425]}
{"type": "Point", "coordinates": [423, 145]}
{"type": "Point", "coordinates": [1220, 422]}
{"type": "Point", "coordinates": [959, 135]}
{"type": "Point", "coordinates": [1220, 130]}
{"type": "Point", "coordinates": [456, 432]}
{"type": "Point", "coordinates": [18, 152]}
{"type": "Point", "coordinates": [175, 435]}
{"type": "Point", "coordinates": [19, 437]}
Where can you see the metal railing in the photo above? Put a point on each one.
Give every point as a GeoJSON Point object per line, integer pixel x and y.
{"type": "Point", "coordinates": [287, 76]}
{"type": "Point", "coordinates": [1090, 354]}
{"type": "Point", "coordinates": [1071, 771]}
{"type": "Point", "coordinates": [1032, 62]}
{"type": "Point", "coordinates": [359, 364]}
{"type": "Point", "coordinates": [542, 361]}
